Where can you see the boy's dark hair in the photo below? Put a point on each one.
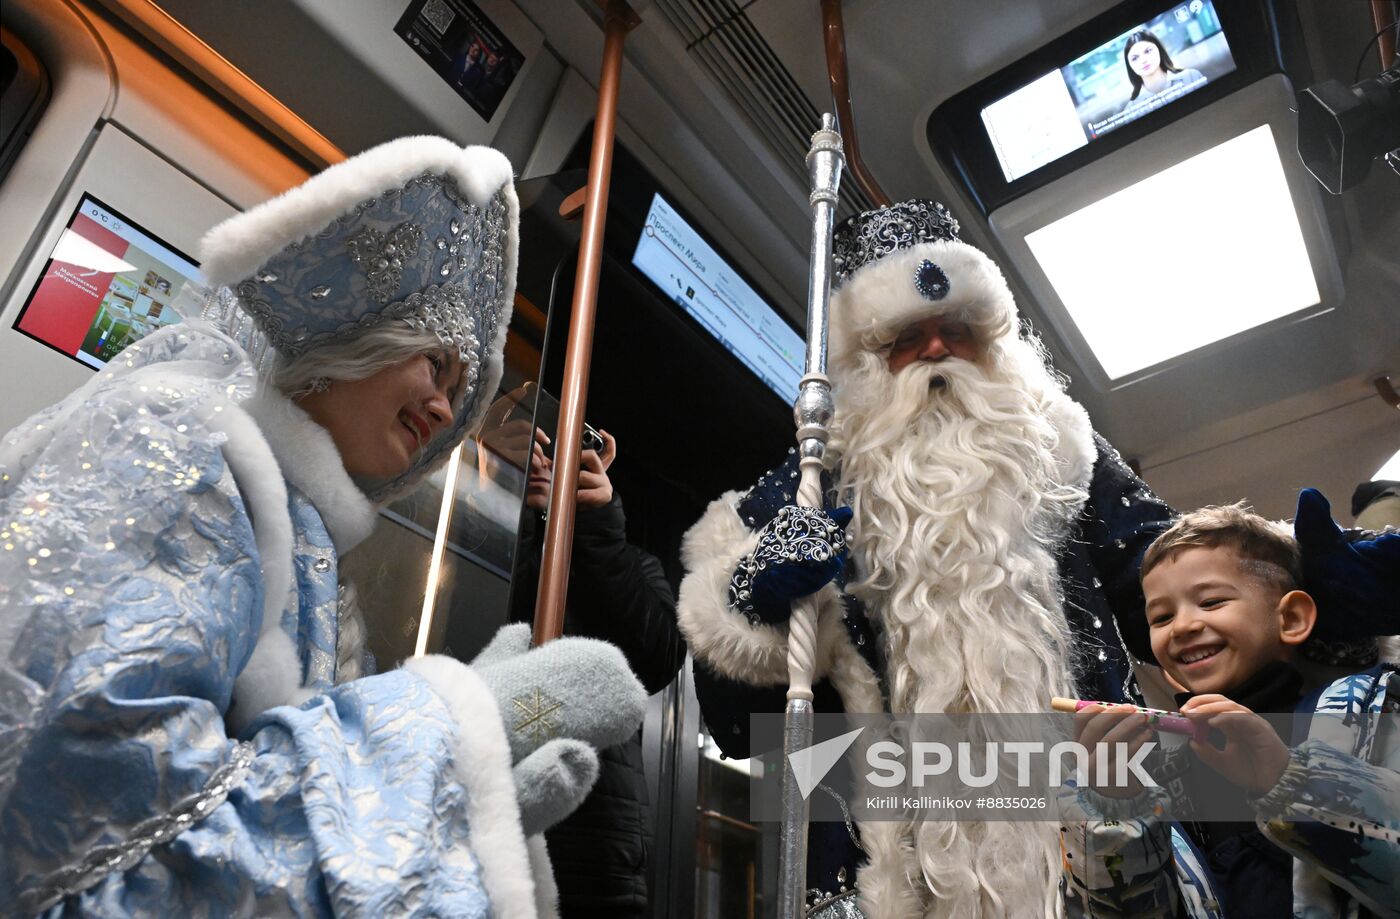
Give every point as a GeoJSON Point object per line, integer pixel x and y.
{"type": "Point", "coordinates": [1266, 549]}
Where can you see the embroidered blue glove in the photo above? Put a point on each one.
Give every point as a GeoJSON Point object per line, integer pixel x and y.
{"type": "Point", "coordinates": [1356, 583]}
{"type": "Point", "coordinates": [798, 551]}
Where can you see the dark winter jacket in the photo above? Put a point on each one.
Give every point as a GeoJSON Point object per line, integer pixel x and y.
{"type": "Point", "coordinates": [619, 593]}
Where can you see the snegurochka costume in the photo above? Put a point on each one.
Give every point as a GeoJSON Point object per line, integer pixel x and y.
{"type": "Point", "coordinates": [178, 735]}
{"type": "Point", "coordinates": [892, 266]}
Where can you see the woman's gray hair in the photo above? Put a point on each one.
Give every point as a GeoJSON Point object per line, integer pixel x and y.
{"type": "Point", "coordinates": [384, 345]}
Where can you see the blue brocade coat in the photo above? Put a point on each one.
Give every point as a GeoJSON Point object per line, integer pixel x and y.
{"type": "Point", "coordinates": [175, 737]}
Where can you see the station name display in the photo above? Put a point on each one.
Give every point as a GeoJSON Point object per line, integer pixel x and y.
{"type": "Point", "coordinates": [108, 282]}
{"type": "Point", "coordinates": [678, 260]}
{"type": "Point", "coordinates": [1140, 71]}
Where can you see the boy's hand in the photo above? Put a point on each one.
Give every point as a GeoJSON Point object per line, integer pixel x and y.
{"type": "Point", "coordinates": [1253, 757]}
{"type": "Point", "coordinates": [1120, 724]}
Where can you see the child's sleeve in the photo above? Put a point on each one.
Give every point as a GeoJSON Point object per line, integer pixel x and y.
{"type": "Point", "coordinates": [1117, 855]}
{"type": "Point", "coordinates": [1340, 816]}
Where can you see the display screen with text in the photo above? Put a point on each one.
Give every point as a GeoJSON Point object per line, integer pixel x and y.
{"type": "Point", "coordinates": [107, 283]}
{"type": "Point", "coordinates": [687, 269]}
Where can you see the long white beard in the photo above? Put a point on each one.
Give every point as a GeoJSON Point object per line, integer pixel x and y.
{"type": "Point", "coordinates": [957, 511]}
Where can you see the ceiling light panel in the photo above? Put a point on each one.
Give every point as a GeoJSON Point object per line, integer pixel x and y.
{"type": "Point", "coordinates": [1198, 252]}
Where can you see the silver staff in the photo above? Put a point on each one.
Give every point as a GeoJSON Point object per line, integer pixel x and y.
{"type": "Point", "coordinates": [813, 412]}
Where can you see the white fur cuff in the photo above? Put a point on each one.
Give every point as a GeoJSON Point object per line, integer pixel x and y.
{"type": "Point", "coordinates": [482, 765]}
{"type": "Point", "coordinates": [721, 637]}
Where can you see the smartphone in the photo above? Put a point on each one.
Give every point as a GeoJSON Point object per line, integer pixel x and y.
{"type": "Point", "coordinates": [591, 440]}
{"type": "Point", "coordinates": [547, 418]}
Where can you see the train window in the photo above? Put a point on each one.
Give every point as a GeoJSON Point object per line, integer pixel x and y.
{"type": "Point", "coordinates": [732, 877]}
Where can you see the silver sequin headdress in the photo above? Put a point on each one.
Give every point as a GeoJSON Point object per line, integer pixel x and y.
{"type": "Point", "coordinates": [418, 230]}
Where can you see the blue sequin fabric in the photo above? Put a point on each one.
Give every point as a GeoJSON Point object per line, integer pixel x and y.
{"type": "Point", "coordinates": [393, 256]}
{"type": "Point", "coordinates": [795, 534]}
{"type": "Point", "coordinates": [762, 503]}
{"type": "Point", "coordinates": [132, 597]}
{"type": "Point", "coordinates": [931, 281]}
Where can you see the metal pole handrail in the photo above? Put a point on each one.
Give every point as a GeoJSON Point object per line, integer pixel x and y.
{"type": "Point", "coordinates": [834, 32]}
{"type": "Point", "coordinates": [618, 20]}
{"type": "Point", "coordinates": [813, 414]}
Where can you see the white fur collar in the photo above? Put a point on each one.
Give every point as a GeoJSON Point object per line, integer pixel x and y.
{"type": "Point", "coordinates": [1076, 451]}
{"type": "Point", "coordinates": [311, 462]}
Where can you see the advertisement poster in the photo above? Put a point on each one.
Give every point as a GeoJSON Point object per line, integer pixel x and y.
{"type": "Point", "coordinates": [465, 48]}
{"type": "Point", "coordinates": [107, 284]}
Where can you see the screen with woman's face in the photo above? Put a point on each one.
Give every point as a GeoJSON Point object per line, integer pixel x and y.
{"type": "Point", "coordinates": [1148, 66]}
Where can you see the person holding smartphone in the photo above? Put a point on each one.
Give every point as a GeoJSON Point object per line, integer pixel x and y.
{"type": "Point", "coordinates": [618, 592]}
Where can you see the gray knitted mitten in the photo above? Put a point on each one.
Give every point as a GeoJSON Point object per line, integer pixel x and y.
{"type": "Point", "coordinates": [560, 704]}
{"type": "Point", "coordinates": [552, 782]}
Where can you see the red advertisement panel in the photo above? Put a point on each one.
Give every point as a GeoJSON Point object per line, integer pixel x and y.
{"type": "Point", "coordinates": [68, 297]}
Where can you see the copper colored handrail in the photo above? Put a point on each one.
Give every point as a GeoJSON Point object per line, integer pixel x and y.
{"type": "Point", "coordinates": [834, 31]}
{"type": "Point", "coordinates": [1385, 24]}
{"type": "Point", "coordinates": [618, 20]}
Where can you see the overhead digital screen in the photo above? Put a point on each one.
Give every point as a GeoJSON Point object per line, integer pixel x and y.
{"type": "Point", "coordinates": [1246, 264]}
{"type": "Point", "coordinates": [107, 283]}
{"type": "Point", "coordinates": [678, 260]}
{"type": "Point", "coordinates": [469, 51]}
{"type": "Point", "coordinates": [1145, 68]}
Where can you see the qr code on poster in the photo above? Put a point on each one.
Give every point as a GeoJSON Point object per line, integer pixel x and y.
{"type": "Point", "coordinates": [439, 14]}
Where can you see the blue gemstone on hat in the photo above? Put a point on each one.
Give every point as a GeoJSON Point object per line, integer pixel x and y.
{"type": "Point", "coordinates": [931, 281]}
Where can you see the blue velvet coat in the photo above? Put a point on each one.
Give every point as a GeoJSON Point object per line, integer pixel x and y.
{"type": "Point", "coordinates": [1098, 564]}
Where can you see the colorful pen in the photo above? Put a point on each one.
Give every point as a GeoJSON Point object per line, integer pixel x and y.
{"type": "Point", "coordinates": [1168, 722]}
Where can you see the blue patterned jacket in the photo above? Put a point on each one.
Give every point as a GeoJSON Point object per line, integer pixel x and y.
{"type": "Point", "coordinates": [1335, 810]}
{"type": "Point", "coordinates": [176, 735]}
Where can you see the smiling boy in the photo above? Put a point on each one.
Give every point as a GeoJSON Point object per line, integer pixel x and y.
{"type": "Point", "coordinates": [1226, 619]}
